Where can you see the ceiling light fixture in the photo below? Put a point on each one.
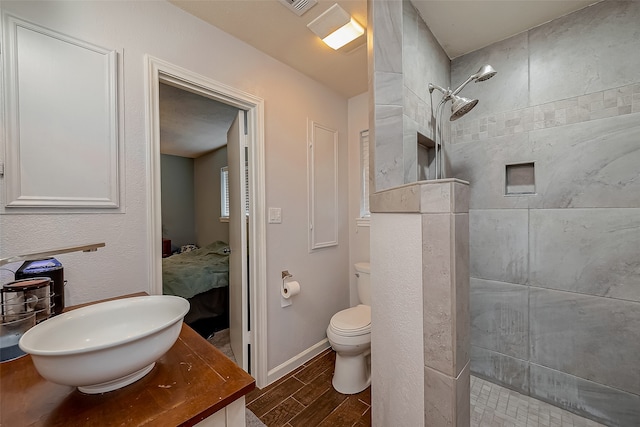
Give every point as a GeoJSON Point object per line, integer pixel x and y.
{"type": "Point", "coordinates": [336, 27]}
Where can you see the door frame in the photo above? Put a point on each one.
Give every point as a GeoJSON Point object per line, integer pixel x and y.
{"type": "Point", "coordinates": [156, 71]}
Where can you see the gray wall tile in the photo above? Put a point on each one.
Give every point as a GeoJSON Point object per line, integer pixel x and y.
{"type": "Point", "coordinates": [406, 56]}
{"type": "Point", "coordinates": [388, 147]}
{"type": "Point", "coordinates": [410, 149]}
{"type": "Point", "coordinates": [386, 28]}
{"type": "Point", "coordinates": [423, 61]}
{"type": "Point", "coordinates": [499, 368]}
{"type": "Point", "coordinates": [594, 338]}
{"type": "Point", "coordinates": [580, 128]}
{"type": "Point", "coordinates": [500, 317]}
{"type": "Point", "coordinates": [446, 291]}
{"type": "Point", "coordinates": [590, 251]}
{"type": "Point", "coordinates": [434, 65]}
{"type": "Point", "coordinates": [387, 88]}
{"type": "Point", "coordinates": [446, 400]}
{"type": "Point", "coordinates": [419, 110]}
{"type": "Point", "coordinates": [438, 293]}
{"type": "Point", "coordinates": [411, 47]}
{"type": "Point", "coordinates": [508, 90]}
{"type": "Point", "coordinates": [461, 289]}
{"type": "Point", "coordinates": [587, 51]}
{"type": "Point", "coordinates": [483, 164]}
{"type": "Point", "coordinates": [590, 164]}
{"type": "Point", "coordinates": [498, 243]}
{"type": "Point", "coordinates": [605, 404]}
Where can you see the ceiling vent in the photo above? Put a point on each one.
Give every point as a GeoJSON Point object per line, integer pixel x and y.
{"type": "Point", "coordinates": [299, 7]}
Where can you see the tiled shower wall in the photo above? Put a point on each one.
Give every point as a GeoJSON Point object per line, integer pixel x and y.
{"type": "Point", "coordinates": [406, 57]}
{"type": "Point", "coordinates": [555, 275]}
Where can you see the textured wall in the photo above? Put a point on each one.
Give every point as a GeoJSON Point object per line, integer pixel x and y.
{"type": "Point", "coordinates": [555, 276]}
{"type": "Point", "coordinates": [397, 343]}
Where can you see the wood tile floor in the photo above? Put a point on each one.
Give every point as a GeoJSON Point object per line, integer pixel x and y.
{"type": "Point", "coordinates": [305, 398]}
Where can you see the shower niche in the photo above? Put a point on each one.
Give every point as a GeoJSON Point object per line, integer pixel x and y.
{"type": "Point", "coordinates": [426, 157]}
{"type": "Point", "coordinates": [520, 179]}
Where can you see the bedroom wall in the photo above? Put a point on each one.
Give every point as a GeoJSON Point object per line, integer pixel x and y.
{"type": "Point", "coordinates": [177, 200]}
{"type": "Point", "coordinates": [208, 226]}
{"type": "Point", "coordinates": [166, 32]}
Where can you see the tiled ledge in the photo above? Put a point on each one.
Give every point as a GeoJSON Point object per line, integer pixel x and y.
{"type": "Point", "coordinates": [434, 196]}
{"type": "Point", "coordinates": [598, 105]}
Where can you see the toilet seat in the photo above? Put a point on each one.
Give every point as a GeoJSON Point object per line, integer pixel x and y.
{"type": "Point", "coordinates": [354, 321]}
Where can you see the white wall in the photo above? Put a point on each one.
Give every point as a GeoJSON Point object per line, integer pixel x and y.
{"type": "Point", "coordinates": [164, 31]}
{"type": "Point", "coordinates": [207, 200]}
{"type": "Point", "coordinates": [358, 236]}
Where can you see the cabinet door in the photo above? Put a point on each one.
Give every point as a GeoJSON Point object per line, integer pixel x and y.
{"type": "Point", "coordinates": [63, 135]}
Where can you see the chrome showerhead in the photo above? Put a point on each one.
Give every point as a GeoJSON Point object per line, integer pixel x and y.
{"type": "Point", "coordinates": [484, 73]}
{"type": "Point", "coordinates": [461, 106]}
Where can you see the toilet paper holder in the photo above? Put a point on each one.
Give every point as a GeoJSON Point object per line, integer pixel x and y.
{"type": "Point", "coordinates": [285, 300]}
{"type": "Point", "coordinates": [286, 275]}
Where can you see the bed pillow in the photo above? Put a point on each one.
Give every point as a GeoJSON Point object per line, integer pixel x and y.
{"type": "Point", "coordinates": [188, 248]}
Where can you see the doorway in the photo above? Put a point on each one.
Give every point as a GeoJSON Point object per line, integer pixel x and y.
{"type": "Point", "coordinates": [253, 334]}
{"type": "Point", "coordinates": [195, 207]}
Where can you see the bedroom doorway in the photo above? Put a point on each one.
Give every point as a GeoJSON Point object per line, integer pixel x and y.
{"type": "Point", "coordinates": [247, 266]}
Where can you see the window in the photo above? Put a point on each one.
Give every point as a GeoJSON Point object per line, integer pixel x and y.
{"type": "Point", "coordinates": [364, 179]}
{"type": "Point", "coordinates": [224, 192]}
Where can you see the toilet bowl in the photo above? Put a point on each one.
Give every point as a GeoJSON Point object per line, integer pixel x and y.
{"type": "Point", "coordinates": [349, 333]}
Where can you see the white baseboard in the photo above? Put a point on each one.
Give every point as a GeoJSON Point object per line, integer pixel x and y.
{"type": "Point", "coordinates": [296, 361]}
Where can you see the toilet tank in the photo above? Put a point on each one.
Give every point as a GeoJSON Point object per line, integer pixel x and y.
{"type": "Point", "coordinates": [364, 284]}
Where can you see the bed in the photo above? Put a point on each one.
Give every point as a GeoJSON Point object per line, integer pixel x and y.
{"type": "Point", "coordinates": [202, 277]}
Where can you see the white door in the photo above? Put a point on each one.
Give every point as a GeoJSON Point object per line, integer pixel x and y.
{"type": "Point", "coordinates": [238, 295]}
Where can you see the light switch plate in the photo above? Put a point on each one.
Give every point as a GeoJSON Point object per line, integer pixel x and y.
{"type": "Point", "coordinates": [275, 216]}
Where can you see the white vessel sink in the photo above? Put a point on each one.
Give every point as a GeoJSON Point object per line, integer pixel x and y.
{"type": "Point", "coordinates": [105, 346]}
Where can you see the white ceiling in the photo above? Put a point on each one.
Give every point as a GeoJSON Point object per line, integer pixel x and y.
{"type": "Point", "coordinates": [191, 125]}
{"type": "Point", "coordinates": [460, 26]}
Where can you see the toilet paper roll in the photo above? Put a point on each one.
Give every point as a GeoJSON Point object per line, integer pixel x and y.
{"type": "Point", "coordinates": [290, 289]}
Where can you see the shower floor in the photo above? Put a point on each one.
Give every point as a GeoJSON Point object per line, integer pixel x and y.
{"type": "Point", "coordinates": [496, 406]}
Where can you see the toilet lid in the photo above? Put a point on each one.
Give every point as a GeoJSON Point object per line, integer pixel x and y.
{"type": "Point", "coordinates": [352, 321]}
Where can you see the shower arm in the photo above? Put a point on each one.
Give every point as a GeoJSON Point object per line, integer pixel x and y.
{"type": "Point", "coordinates": [445, 92]}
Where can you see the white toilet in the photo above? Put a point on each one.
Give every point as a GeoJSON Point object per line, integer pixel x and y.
{"type": "Point", "coordinates": [349, 334]}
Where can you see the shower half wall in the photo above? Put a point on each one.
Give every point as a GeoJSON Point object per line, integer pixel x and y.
{"type": "Point", "coordinates": [555, 274]}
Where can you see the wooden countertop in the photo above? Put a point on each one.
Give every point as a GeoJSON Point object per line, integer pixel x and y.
{"type": "Point", "coordinates": [189, 383]}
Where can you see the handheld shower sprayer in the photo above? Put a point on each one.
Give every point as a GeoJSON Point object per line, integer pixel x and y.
{"type": "Point", "coordinates": [459, 107]}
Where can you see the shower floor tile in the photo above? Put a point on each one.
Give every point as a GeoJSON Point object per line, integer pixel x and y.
{"type": "Point", "coordinates": [496, 406]}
